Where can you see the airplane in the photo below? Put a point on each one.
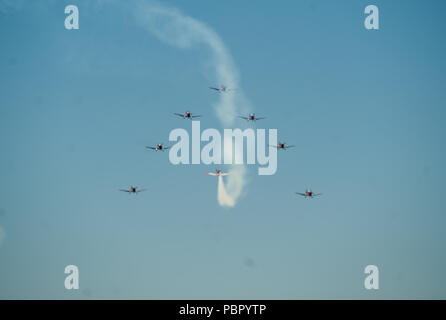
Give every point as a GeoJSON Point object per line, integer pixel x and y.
{"type": "Point", "coordinates": [217, 173]}
{"type": "Point", "coordinates": [158, 147]}
{"type": "Point", "coordinates": [132, 190]}
{"type": "Point", "coordinates": [309, 193]}
{"type": "Point", "coordinates": [187, 115]}
{"type": "Point", "coordinates": [282, 145]}
{"type": "Point", "coordinates": [222, 89]}
{"type": "Point", "coordinates": [251, 117]}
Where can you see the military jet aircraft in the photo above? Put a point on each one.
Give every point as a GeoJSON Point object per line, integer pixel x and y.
{"type": "Point", "coordinates": [309, 193]}
{"type": "Point", "coordinates": [187, 115]}
{"type": "Point", "coordinates": [222, 89]}
{"type": "Point", "coordinates": [282, 145]}
{"type": "Point", "coordinates": [217, 173]}
{"type": "Point", "coordinates": [158, 147]}
{"type": "Point", "coordinates": [132, 190]}
{"type": "Point", "coordinates": [251, 117]}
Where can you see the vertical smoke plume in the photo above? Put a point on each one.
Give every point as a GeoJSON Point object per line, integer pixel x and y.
{"type": "Point", "coordinates": [223, 198]}
{"type": "Point", "coordinates": [173, 27]}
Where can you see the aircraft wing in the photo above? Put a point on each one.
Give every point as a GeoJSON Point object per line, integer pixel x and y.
{"type": "Point", "coordinates": [211, 173]}
{"type": "Point", "coordinates": [261, 118]}
{"type": "Point", "coordinates": [197, 116]}
{"type": "Point", "coordinates": [153, 148]}
{"type": "Point", "coordinates": [179, 114]}
{"type": "Point", "coordinates": [317, 194]}
{"type": "Point", "coordinates": [123, 190]}
{"type": "Point", "coordinates": [141, 190]}
{"type": "Point", "coordinates": [302, 194]}
{"type": "Point", "coordinates": [225, 174]}
{"type": "Point", "coordinates": [246, 118]}
{"type": "Point", "coordinates": [271, 145]}
{"type": "Point", "coordinates": [286, 147]}
{"type": "Point", "coordinates": [214, 88]}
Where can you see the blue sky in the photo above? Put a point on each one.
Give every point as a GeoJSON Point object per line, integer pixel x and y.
{"type": "Point", "coordinates": [364, 108]}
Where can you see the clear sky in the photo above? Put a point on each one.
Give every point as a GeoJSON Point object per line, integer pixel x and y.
{"type": "Point", "coordinates": [365, 109]}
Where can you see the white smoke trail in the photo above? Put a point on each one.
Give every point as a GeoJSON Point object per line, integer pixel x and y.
{"type": "Point", "coordinates": [173, 27]}
{"type": "Point", "coordinates": [223, 198]}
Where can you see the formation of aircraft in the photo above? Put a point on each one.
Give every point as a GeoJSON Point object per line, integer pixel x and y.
{"type": "Point", "coordinates": [251, 117]}
{"type": "Point", "coordinates": [282, 145]}
{"type": "Point", "coordinates": [187, 115]}
{"type": "Point", "coordinates": [132, 190]}
{"type": "Point", "coordinates": [222, 88]}
{"type": "Point", "coordinates": [217, 173]}
{"type": "Point", "coordinates": [158, 147]}
{"type": "Point", "coordinates": [309, 193]}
